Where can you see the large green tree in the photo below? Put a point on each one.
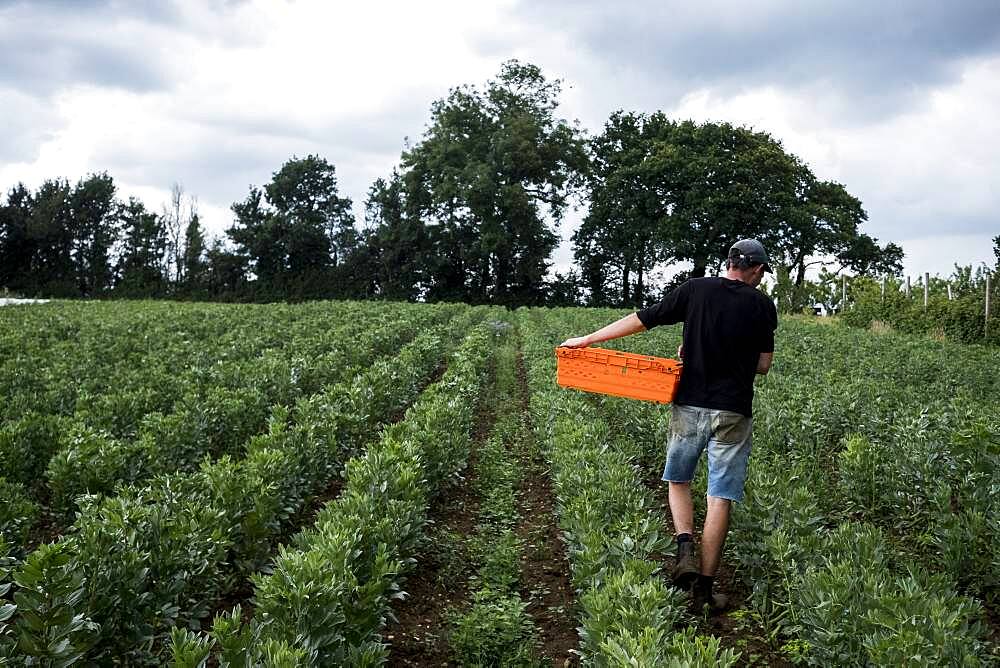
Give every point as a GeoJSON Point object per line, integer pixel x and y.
{"type": "Point", "coordinates": [59, 240]}
{"type": "Point", "coordinates": [723, 183]}
{"type": "Point", "coordinates": [400, 243]}
{"type": "Point", "coordinates": [225, 272]}
{"type": "Point", "coordinates": [17, 246]}
{"type": "Point", "coordinates": [491, 175]}
{"type": "Point", "coordinates": [93, 215]}
{"type": "Point", "coordinates": [140, 267]}
{"type": "Point", "coordinates": [296, 230]}
{"type": "Point", "coordinates": [50, 229]}
{"type": "Point", "coordinates": [626, 228]}
{"type": "Point", "coordinates": [192, 267]}
{"type": "Point", "coordinates": [666, 191]}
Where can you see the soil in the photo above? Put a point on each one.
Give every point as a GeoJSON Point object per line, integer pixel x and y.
{"type": "Point", "coordinates": [992, 618]}
{"type": "Point", "coordinates": [545, 574]}
{"type": "Point", "coordinates": [48, 527]}
{"type": "Point", "coordinates": [435, 587]}
{"type": "Point", "coordinates": [439, 586]}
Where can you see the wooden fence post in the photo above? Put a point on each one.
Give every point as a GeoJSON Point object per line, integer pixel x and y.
{"type": "Point", "coordinates": [927, 288]}
{"type": "Point", "coordinates": [907, 287]}
{"type": "Point", "coordinates": [883, 287]}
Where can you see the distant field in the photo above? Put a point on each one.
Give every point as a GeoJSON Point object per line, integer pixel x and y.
{"type": "Point", "coordinates": [162, 463]}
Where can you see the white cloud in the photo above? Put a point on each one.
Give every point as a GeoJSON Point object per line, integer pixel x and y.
{"type": "Point", "coordinates": [257, 84]}
{"type": "Point", "coordinates": [926, 177]}
{"type": "Point", "coordinates": [228, 92]}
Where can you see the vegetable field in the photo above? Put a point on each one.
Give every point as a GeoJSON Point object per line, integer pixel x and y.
{"type": "Point", "coordinates": [350, 483]}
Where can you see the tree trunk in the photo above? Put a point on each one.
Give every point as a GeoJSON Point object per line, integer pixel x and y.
{"type": "Point", "coordinates": [800, 275]}
{"type": "Point", "coordinates": [640, 288]}
{"type": "Point", "coordinates": [626, 277]}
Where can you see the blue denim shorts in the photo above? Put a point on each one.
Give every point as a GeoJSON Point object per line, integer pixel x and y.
{"type": "Point", "coordinates": [725, 434]}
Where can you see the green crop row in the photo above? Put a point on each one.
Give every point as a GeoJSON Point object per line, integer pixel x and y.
{"type": "Point", "coordinates": [870, 544]}
{"type": "Point", "coordinates": [495, 628]}
{"type": "Point", "coordinates": [886, 443]}
{"type": "Point", "coordinates": [133, 395]}
{"type": "Point", "coordinates": [218, 423]}
{"type": "Point", "coordinates": [163, 554]}
{"type": "Point", "coordinates": [328, 594]}
{"type": "Point", "coordinates": [123, 360]}
{"type": "Point", "coordinates": [629, 615]}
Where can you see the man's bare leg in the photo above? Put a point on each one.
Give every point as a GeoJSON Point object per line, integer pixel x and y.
{"type": "Point", "coordinates": [685, 571]}
{"type": "Point", "coordinates": [713, 537]}
{"type": "Point", "coordinates": [681, 507]}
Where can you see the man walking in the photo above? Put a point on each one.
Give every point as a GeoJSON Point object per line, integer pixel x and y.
{"type": "Point", "coordinates": [728, 339]}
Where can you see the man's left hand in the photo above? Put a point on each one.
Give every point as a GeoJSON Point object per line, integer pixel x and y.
{"type": "Point", "coordinates": [575, 342]}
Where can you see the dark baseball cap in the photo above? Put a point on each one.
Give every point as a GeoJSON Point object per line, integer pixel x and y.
{"type": "Point", "coordinates": [752, 250]}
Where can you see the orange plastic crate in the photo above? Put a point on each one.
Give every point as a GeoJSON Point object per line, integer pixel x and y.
{"type": "Point", "coordinates": [617, 373]}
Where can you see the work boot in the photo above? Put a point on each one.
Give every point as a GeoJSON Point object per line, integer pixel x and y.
{"type": "Point", "coordinates": [687, 568]}
{"type": "Point", "coordinates": [716, 602]}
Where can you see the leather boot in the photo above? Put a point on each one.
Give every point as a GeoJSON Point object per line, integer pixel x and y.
{"type": "Point", "coordinates": [687, 568]}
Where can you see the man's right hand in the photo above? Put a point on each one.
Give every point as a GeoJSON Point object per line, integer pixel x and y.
{"type": "Point", "coordinates": [575, 342]}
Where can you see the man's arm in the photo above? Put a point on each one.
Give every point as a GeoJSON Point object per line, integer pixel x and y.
{"type": "Point", "coordinates": [764, 363]}
{"type": "Point", "coordinates": [630, 324]}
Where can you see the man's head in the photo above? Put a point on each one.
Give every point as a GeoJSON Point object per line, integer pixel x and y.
{"type": "Point", "coordinates": [748, 261]}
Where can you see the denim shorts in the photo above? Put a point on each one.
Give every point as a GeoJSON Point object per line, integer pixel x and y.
{"type": "Point", "coordinates": [725, 434]}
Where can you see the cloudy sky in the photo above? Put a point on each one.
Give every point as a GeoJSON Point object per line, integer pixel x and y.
{"type": "Point", "coordinates": [898, 100]}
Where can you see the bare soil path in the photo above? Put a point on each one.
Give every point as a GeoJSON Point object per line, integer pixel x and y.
{"type": "Point", "coordinates": [544, 569]}
{"type": "Point", "coordinates": [439, 583]}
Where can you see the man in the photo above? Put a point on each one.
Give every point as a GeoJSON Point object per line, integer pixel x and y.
{"type": "Point", "coordinates": [728, 339]}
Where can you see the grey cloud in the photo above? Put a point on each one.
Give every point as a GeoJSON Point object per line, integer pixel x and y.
{"type": "Point", "coordinates": [902, 227]}
{"type": "Point", "coordinates": [161, 12]}
{"type": "Point", "coordinates": [878, 56]}
{"type": "Point", "coordinates": [227, 154]}
{"type": "Point", "coordinates": [25, 121]}
{"type": "Point", "coordinates": [378, 132]}
{"type": "Point", "coordinates": [46, 46]}
{"type": "Point", "coordinates": [220, 173]}
{"type": "Point", "coordinates": [893, 220]}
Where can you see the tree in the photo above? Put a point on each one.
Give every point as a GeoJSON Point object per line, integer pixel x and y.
{"type": "Point", "coordinates": [50, 229]}
{"type": "Point", "coordinates": [489, 169]}
{"type": "Point", "coordinates": [17, 246]}
{"type": "Point", "coordinates": [677, 191]}
{"type": "Point", "coordinates": [176, 219]}
{"type": "Point", "coordinates": [823, 222]}
{"type": "Point", "coordinates": [144, 244]}
{"type": "Point", "coordinates": [863, 255]}
{"type": "Point", "coordinates": [624, 232]}
{"type": "Point", "coordinates": [564, 289]}
{"type": "Point", "coordinates": [296, 229]}
{"type": "Point", "coordinates": [193, 261]}
{"type": "Point", "coordinates": [92, 213]}
{"type": "Point", "coordinates": [723, 183]}
{"type": "Point", "coordinates": [399, 242]}
{"type": "Point", "coordinates": [225, 271]}
{"type": "Point", "coordinates": [665, 191]}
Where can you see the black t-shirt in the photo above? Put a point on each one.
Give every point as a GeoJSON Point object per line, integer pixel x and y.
{"type": "Point", "coordinates": [727, 324]}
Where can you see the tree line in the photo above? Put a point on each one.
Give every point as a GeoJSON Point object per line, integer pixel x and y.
{"type": "Point", "coordinates": [470, 213]}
